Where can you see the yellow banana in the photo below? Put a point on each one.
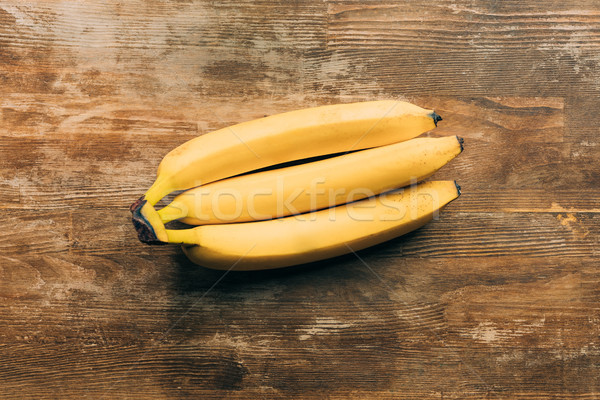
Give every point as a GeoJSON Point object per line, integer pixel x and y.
{"type": "Point", "coordinates": [289, 136]}
{"type": "Point", "coordinates": [276, 139]}
{"type": "Point", "coordinates": [315, 236]}
{"type": "Point", "coordinates": [312, 186]}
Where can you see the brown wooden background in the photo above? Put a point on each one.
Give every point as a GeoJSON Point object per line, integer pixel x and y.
{"type": "Point", "coordinates": [499, 299]}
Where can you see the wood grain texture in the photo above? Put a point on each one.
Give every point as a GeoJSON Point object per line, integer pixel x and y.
{"type": "Point", "coordinates": [497, 299]}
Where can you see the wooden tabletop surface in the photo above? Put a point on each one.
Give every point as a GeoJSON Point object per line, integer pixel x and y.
{"type": "Point", "coordinates": [498, 299]}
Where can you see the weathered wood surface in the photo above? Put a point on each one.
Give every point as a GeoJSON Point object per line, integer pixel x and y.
{"type": "Point", "coordinates": [500, 298]}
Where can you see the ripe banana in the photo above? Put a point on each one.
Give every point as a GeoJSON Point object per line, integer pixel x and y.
{"type": "Point", "coordinates": [315, 236]}
{"type": "Point", "coordinates": [276, 139]}
{"type": "Point", "coordinates": [312, 186]}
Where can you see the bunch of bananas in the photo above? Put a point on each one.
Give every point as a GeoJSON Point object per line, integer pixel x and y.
{"type": "Point", "coordinates": [252, 217]}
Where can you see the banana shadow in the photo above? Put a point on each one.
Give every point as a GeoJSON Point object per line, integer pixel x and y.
{"type": "Point", "coordinates": [225, 324]}
{"type": "Point", "coordinates": [192, 278]}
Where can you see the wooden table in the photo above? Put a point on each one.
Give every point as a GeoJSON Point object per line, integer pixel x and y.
{"type": "Point", "coordinates": [498, 299]}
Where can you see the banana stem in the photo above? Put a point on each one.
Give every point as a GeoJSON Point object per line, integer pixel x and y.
{"type": "Point", "coordinates": [159, 189]}
{"type": "Point", "coordinates": [171, 213]}
{"type": "Point", "coordinates": [183, 236]}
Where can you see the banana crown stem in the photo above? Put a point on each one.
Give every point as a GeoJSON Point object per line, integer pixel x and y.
{"type": "Point", "coordinates": [147, 223]}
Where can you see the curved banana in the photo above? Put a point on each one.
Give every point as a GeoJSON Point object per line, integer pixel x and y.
{"type": "Point", "coordinates": [312, 186]}
{"type": "Point", "coordinates": [315, 236]}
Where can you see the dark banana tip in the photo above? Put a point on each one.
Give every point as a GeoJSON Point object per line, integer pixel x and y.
{"type": "Point", "coordinates": [461, 141]}
{"type": "Point", "coordinates": [143, 228]}
{"type": "Point", "coordinates": [436, 117]}
{"type": "Point", "coordinates": [457, 188]}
